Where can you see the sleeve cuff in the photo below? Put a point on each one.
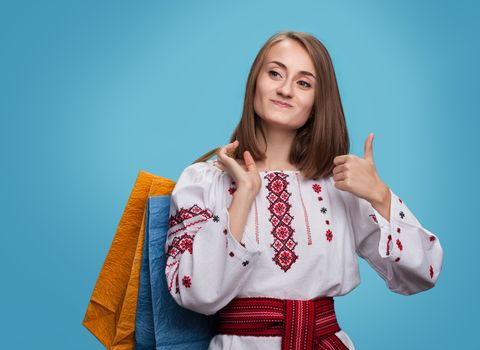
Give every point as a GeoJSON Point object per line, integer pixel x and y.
{"type": "Point", "coordinates": [388, 243]}
{"type": "Point", "coordinates": [242, 251]}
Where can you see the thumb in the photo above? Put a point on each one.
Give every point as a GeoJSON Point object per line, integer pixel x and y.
{"type": "Point", "coordinates": [368, 150]}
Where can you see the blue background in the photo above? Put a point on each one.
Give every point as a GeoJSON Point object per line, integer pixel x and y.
{"type": "Point", "coordinates": [94, 91]}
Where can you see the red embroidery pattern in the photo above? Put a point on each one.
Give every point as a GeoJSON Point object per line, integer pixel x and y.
{"type": "Point", "coordinates": [282, 231]}
{"type": "Point", "coordinates": [187, 281]}
{"type": "Point", "coordinates": [397, 259]}
{"type": "Point", "coordinates": [399, 244]}
{"type": "Point", "coordinates": [329, 235]}
{"type": "Point", "coordinates": [177, 287]}
{"type": "Point", "coordinates": [257, 236]}
{"type": "Point", "coordinates": [317, 188]}
{"type": "Point", "coordinates": [432, 238]}
{"type": "Point", "coordinates": [431, 271]}
{"type": "Point", "coordinates": [388, 244]}
{"type": "Point", "coordinates": [183, 214]}
{"type": "Point", "coordinates": [305, 214]}
{"type": "Point", "coordinates": [398, 229]}
{"type": "Point", "coordinates": [374, 218]}
{"type": "Point", "coordinates": [302, 324]}
{"type": "Point", "coordinates": [183, 243]}
{"type": "Point", "coordinates": [232, 188]}
{"type": "Point", "coordinates": [180, 244]}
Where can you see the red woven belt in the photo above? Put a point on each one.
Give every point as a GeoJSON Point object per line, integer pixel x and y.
{"type": "Point", "coordinates": [302, 324]}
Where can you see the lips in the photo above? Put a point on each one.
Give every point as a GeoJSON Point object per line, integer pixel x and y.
{"type": "Point", "coordinates": [281, 104]}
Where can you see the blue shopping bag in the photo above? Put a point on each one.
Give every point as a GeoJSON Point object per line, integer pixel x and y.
{"type": "Point", "coordinates": [162, 324]}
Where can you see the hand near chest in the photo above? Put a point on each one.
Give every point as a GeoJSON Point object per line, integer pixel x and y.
{"type": "Point", "coordinates": [248, 180]}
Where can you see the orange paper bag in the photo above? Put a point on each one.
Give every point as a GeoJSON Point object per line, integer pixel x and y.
{"type": "Point", "coordinates": [111, 311]}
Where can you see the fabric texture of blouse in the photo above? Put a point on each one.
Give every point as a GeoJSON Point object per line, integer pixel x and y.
{"type": "Point", "coordinates": [296, 228]}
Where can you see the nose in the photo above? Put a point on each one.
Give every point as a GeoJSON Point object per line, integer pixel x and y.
{"type": "Point", "coordinates": [285, 88]}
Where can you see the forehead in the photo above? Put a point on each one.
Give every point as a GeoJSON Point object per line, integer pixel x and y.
{"type": "Point", "coordinates": [292, 54]}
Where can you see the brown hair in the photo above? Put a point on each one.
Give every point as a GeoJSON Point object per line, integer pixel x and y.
{"type": "Point", "coordinates": [323, 137]}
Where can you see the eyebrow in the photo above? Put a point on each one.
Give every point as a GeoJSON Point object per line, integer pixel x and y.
{"type": "Point", "coordinates": [303, 72]}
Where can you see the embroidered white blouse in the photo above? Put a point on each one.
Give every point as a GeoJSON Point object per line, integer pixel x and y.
{"type": "Point", "coordinates": [296, 228]}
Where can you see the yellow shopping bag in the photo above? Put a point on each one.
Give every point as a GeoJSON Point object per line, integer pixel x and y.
{"type": "Point", "coordinates": [111, 311]}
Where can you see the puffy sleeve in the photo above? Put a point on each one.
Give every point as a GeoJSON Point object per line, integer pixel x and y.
{"type": "Point", "coordinates": [206, 265]}
{"type": "Point", "coordinates": [406, 255]}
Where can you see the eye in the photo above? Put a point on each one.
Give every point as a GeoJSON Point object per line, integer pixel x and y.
{"type": "Point", "coordinates": [272, 71]}
{"type": "Point", "coordinates": [306, 84]}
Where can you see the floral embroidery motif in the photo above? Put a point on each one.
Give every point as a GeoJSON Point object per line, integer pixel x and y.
{"type": "Point", "coordinates": [216, 218]}
{"type": "Point", "coordinates": [232, 188]}
{"type": "Point", "coordinates": [402, 214]}
{"type": "Point", "coordinates": [329, 235]}
{"type": "Point", "coordinates": [373, 217]}
{"type": "Point", "coordinates": [232, 254]}
{"type": "Point", "coordinates": [397, 259]}
{"type": "Point", "coordinates": [180, 245]}
{"type": "Point", "coordinates": [245, 263]}
{"type": "Point", "coordinates": [398, 229]}
{"type": "Point", "coordinates": [183, 218]}
{"type": "Point", "coordinates": [431, 271]}
{"type": "Point", "coordinates": [187, 281]}
{"type": "Point", "coordinates": [399, 244]}
{"type": "Point", "coordinates": [280, 217]}
{"type": "Point", "coordinates": [432, 238]}
{"type": "Point", "coordinates": [317, 188]}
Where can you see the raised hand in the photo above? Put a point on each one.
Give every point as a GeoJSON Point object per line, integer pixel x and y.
{"type": "Point", "coordinates": [247, 180]}
{"type": "Point", "coordinates": [359, 175]}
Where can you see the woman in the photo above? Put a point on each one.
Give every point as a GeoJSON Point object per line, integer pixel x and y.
{"type": "Point", "coordinates": [268, 233]}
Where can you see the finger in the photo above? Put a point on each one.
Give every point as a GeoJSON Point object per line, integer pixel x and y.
{"type": "Point", "coordinates": [341, 185]}
{"type": "Point", "coordinates": [339, 176]}
{"type": "Point", "coordinates": [341, 159]}
{"type": "Point", "coordinates": [222, 153]}
{"type": "Point", "coordinates": [368, 149]}
{"type": "Point", "coordinates": [339, 168]}
{"type": "Point", "coordinates": [249, 161]}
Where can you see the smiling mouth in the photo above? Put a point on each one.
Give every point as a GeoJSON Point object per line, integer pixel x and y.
{"type": "Point", "coordinates": [281, 104]}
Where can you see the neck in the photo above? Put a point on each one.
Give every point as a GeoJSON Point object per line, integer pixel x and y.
{"type": "Point", "coordinates": [279, 141]}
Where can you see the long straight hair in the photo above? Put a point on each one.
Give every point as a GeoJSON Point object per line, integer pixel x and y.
{"type": "Point", "coordinates": [323, 137]}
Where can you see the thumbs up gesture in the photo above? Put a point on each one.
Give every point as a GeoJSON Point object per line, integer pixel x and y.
{"type": "Point", "coordinates": [359, 176]}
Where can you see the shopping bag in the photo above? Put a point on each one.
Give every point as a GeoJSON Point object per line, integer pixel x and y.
{"type": "Point", "coordinates": [161, 324]}
{"type": "Point", "coordinates": [111, 312]}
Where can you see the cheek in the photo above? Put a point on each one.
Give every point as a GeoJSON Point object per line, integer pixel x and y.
{"type": "Point", "coordinates": [260, 94]}
{"type": "Point", "coordinates": [308, 101]}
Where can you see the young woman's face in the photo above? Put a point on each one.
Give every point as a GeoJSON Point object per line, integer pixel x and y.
{"type": "Point", "coordinates": [288, 76]}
